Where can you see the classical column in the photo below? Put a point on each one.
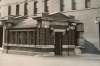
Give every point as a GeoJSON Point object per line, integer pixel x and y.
{"type": "Point", "coordinates": [4, 37]}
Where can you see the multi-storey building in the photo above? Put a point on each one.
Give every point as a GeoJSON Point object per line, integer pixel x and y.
{"type": "Point", "coordinates": [1, 31]}
{"type": "Point", "coordinates": [85, 11]}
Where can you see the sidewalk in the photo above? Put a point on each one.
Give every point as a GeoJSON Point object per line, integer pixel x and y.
{"type": "Point", "coordinates": [39, 60]}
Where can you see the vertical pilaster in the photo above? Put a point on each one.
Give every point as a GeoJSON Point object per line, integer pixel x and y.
{"type": "Point", "coordinates": [4, 34]}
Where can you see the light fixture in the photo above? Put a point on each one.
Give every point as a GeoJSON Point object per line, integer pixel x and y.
{"type": "Point", "coordinates": [52, 28]}
{"type": "Point", "coordinates": [46, 26]}
{"type": "Point", "coordinates": [74, 24]}
{"type": "Point", "coordinates": [72, 27]}
{"type": "Point", "coordinates": [68, 29]}
{"type": "Point", "coordinates": [97, 20]}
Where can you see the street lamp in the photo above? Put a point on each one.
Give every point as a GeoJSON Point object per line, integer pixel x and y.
{"type": "Point", "coordinates": [97, 21]}
{"type": "Point", "coordinates": [71, 26]}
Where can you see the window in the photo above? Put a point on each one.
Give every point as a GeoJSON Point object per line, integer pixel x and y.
{"type": "Point", "coordinates": [17, 9]}
{"type": "Point", "coordinates": [35, 7]}
{"type": "Point", "coordinates": [73, 5]}
{"type": "Point", "coordinates": [87, 3]}
{"type": "Point", "coordinates": [22, 37]}
{"type": "Point", "coordinates": [80, 27]}
{"type": "Point", "coordinates": [61, 5]}
{"type": "Point", "coordinates": [25, 8]}
{"type": "Point", "coordinates": [46, 6]}
{"type": "Point", "coordinates": [9, 10]}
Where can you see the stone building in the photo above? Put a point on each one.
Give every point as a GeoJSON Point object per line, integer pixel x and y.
{"type": "Point", "coordinates": [1, 31]}
{"type": "Point", "coordinates": [82, 11]}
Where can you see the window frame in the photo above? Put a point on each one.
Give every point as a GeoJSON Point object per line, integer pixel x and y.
{"type": "Point", "coordinates": [9, 10]}
{"type": "Point", "coordinates": [87, 3]}
{"type": "Point", "coordinates": [61, 5]}
{"type": "Point", "coordinates": [25, 9]}
{"type": "Point", "coordinates": [73, 4]}
{"type": "Point", "coordinates": [46, 6]}
{"type": "Point", "coordinates": [17, 9]}
{"type": "Point", "coordinates": [35, 8]}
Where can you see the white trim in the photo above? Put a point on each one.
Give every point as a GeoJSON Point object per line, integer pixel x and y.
{"type": "Point", "coordinates": [26, 45]}
{"type": "Point", "coordinates": [38, 46]}
{"type": "Point", "coordinates": [68, 46]}
{"type": "Point", "coordinates": [23, 30]}
{"type": "Point", "coordinates": [59, 30]}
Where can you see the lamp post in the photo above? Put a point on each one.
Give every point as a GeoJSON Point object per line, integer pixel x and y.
{"type": "Point", "coordinates": [70, 27]}
{"type": "Point", "coordinates": [97, 21]}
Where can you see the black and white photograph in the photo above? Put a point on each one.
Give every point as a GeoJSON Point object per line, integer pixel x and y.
{"type": "Point", "coordinates": [49, 32]}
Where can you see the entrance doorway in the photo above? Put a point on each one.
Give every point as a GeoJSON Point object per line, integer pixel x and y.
{"type": "Point", "coordinates": [1, 36]}
{"type": "Point", "coordinates": [58, 43]}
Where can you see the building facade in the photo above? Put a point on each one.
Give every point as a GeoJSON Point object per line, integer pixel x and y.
{"type": "Point", "coordinates": [1, 31]}
{"type": "Point", "coordinates": [85, 11]}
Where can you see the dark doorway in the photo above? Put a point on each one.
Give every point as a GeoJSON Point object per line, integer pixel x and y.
{"type": "Point", "coordinates": [58, 43]}
{"type": "Point", "coordinates": [1, 36]}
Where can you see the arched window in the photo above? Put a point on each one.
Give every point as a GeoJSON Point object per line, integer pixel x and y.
{"type": "Point", "coordinates": [73, 5]}
{"type": "Point", "coordinates": [46, 6]}
{"type": "Point", "coordinates": [17, 9]}
{"type": "Point", "coordinates": [61, 5]}
{"type": "Point", "coordinates": [87, 3]}
{"type": "Point", "coordinates": [35, 7]}
{"type": "Point", "coordinates": [9, 10]}
{"type": "Point", "coordinates": [25, 9]}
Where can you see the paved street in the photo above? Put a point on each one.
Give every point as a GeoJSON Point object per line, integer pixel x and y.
{"type": "Point", "coordinates": [22, 60]}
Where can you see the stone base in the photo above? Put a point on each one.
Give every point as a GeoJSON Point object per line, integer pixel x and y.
{"type": "Point", "coordinates": [78, 51]}
{"type": "Point", "coordinates": [30, 53]}
{"type": "Point", "coordinates": [1, 50]}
